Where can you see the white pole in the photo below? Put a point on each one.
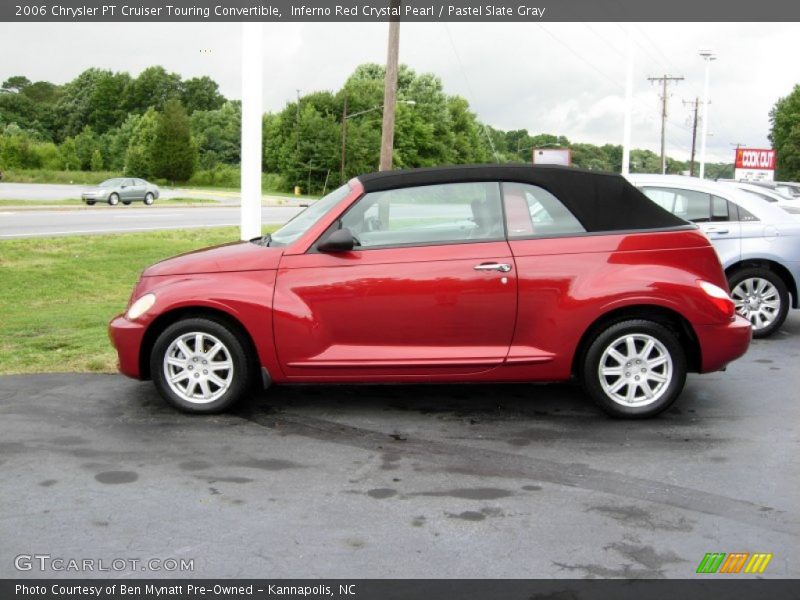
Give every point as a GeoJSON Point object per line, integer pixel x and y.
{"type": "Point", "coordinates": [252, 77]}
{"type": "Point", "coordinates": [708, 57]}
{"type": "Point", "coordinates": [626, 128]}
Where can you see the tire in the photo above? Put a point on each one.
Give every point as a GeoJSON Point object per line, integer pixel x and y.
{"type": "Point", "coordinates": [178, 344]}
{"type": "Point", "coordinates": [148, 198]}
{"type": "Point", "coordinates": [90, 202]}
{"type": "Point", "coordinates": [126, 202]}
{"type": "Point", "coordinates": [761, 297]}
{"type": "Point", "coordinates": [655, 382]}
{"type": "Point", "coordinates": [113, 199]}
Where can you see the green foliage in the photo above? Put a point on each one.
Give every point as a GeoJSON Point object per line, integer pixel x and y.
{"type": "Point", "coordinates": [201, 93]}
{"type": "Point", "coordinates": [785, 135]}
{"type": "Point", "coordinates": [138, 156]}
{"type": "Point", "coordinates": [86, 144]}
{"type": "Point", "coordinates": [97, 161]}
{"type": "Point", "coordinates": [173, 151]}
{"type": "Point", "coordinates": [57, 176]}
{"type": "Point", "coordinates": [217, 134]}
{"type": "Point", "coordinates": [69, 155]}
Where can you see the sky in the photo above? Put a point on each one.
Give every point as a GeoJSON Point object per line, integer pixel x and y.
{"type": "Point", "coordinates": [560, 78]}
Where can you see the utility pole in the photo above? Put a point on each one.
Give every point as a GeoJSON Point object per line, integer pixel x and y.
{"type": "Point", "coordinates": [664, 97]}
{"type": "Point", "coordinates": [708, 57]}
{"type": "Point", "coordinates": [390, 91]}
{"type": "Point", "coordinates": [297, 123]}
{"type": "Point", "coordinates": [344, 137]}
{"type": "Point", "coordinates": [694, 104]}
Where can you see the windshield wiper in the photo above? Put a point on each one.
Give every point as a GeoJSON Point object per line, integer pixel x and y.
{"type": "Point", "coordinates": [262, 240]}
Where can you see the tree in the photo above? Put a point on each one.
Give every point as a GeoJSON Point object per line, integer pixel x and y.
{"type": "Point", "coordinates": [201, 93]}
{"type": "Point", "coordinates": [785, 135]}
{"type": "Point", "coordinates": [69, 156]}
{"type": "Point", "coordinates": [93, 98]}
{"type": "Point", "coordinates": [97, 161]}
{"type": "Point", "coordinates": [174, 153]}
{"type": "Point", "coordinates": [152, 88]}
{"type": "Point", "coordinates": [138, 156]}
{"type": "Point", "coordinates": [15, 84]}
{"type": "Point", "coordinates": [217, 134]}
{"type": "Point", "coordinates": [85, 146]}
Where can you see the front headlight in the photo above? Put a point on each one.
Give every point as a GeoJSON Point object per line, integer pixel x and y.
{"type": "Point", "coordinates": [141, 306]}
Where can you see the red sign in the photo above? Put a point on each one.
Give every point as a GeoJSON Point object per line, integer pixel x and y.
{"type": "Point", "coordinates": [753, 158]}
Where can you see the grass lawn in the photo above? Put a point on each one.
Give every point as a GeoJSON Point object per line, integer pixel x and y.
{"type": "Point", "coordinates": [58, 294]}
{"type": "Point", "coordinates": [78, 202]}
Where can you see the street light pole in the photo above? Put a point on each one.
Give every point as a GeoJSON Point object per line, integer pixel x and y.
{"type": "Point", "coordinates": [390, 91]}
{"type": "Point", "coordinates": [708, 56]}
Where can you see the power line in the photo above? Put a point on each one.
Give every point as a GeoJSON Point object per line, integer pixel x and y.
{"type": "Point", "coordinates": [664, 80]}
{"type": "Point", "coordinates": [469, 88]}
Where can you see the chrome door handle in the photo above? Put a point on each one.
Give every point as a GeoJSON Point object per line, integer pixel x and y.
{"type": "Point", "coordinates": [502, 267]}
{"type": "Point", "coordinates": [716, 230]}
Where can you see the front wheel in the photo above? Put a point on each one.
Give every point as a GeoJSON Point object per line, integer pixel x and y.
{"type": "Point", "coordinates": [634, 369]}
{"type": "Point", "coordinates": [760, 297]}
{"type": "Point", "coordinates": [200, 366]}
{"type": "Point", "coordinates": [148, 199]}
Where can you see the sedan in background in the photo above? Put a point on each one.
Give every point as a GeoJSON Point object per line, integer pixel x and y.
{"type": "Point", "coordinates": [791, 206]}
{"type": "Point", "coordinates": [758, 243]}
{"type": "Point", "coordinates": [460, 274]}
{"type": "Point", "coordinates": [122, 189]}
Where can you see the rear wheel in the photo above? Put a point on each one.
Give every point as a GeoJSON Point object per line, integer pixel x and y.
{"type": "Point", "coordinates": [113, 199]}
{"type": "Point", "coordinates": [634, 369]}
{"type": "Point", "coordinates": [760, 297]}
{"type": "Point", "coordinates": [200, 366]}
{"type": "Point", "coordinates": [148, 198]}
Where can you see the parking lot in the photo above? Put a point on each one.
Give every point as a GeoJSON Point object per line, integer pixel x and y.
{"type": "Point", "coordinates": [440, 481]}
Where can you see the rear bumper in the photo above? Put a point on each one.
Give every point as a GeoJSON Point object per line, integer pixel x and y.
{"type": "Point", "coordinates": [126, 337]}
{"type": "Point", "coordinates": [723, 343]}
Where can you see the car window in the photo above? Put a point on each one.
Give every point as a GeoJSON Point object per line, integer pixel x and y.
{"type": "Point", "coordinates": [532, 211]}
{"type": "Point", "coordinates": [140, 182]}
{"type": "Point", "coordinates": [303, 221]}
{"type": "Point", "coordinates": [686, 204]}
{"type": "Point", "coordinates": [720, 209]}
{"type": "Point", "coordinates": [425, 215]}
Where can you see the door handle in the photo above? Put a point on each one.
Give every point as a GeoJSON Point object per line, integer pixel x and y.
{"type": "Point", "coordinates": [502, 267]}
{"type": "Point", "coordinates": [716, 230]}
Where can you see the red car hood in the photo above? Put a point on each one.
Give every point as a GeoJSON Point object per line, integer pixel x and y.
{"type": "Point", "coordinates": [238, 256]}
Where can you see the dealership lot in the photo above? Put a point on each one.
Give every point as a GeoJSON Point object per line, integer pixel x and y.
{"type": "Point", "coordinates": [439, 481]}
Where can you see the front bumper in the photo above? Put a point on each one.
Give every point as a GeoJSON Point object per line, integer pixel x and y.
{"type": "Point", "coordinates": [126, 337]}
{"type": "Point", "coordinates": [723, 343]}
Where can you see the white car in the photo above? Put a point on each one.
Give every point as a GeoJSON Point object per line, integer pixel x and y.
{"type": "Point", "coordinates": [791, 206]}
{"type": "Point", "coordinates": [757, 242]}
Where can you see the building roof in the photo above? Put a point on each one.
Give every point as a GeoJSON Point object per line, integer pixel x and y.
{"type": "Point", "coordinates": [600, 201]}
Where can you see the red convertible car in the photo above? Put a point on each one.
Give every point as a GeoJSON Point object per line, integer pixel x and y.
{"type": "Point", "coordinates": [487, 273]}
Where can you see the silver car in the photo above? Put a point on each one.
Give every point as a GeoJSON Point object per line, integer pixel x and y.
{"type": "Point", "coordinates": [122, 189]}
{"type": "Point", "coordinates": [757, 242]}
{"type": "Point", "coordinates": [770, 195]}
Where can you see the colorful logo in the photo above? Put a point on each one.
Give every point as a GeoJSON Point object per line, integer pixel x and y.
{"type": "Point", "coordinates": [735, 562]}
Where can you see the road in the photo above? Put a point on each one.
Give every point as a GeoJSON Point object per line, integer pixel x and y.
{"type": "Point", "coordinates": [389, 481]}
{"type": "Point", "coordinates": [39, 223]}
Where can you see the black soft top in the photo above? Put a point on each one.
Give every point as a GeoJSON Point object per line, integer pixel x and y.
{"type": "Point", "coordinates": [600, 201]}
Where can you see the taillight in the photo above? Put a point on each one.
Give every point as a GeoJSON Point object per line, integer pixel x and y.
{"type": "Point", "coordinates": [719, 298]}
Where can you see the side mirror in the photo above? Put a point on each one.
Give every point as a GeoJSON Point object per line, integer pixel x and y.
{"type": "Point", "coordinates": [340, 240]}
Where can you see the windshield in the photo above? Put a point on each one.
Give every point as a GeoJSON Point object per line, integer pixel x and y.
{"type": "Point", "coordinates": [303, 221]}
{"type": "Point", "coordinates": [110, 183]}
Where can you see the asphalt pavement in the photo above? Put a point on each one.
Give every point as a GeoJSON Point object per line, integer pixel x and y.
{"type": "Point", "coordinates": [496, 481]}
{"type": "Point", "coordinates": [122, 219]}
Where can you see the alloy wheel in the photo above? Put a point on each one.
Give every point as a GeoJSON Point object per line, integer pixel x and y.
{"type": "Point", "coordinates": [635, 370]}
{"type": "Point", "coordinates": [198, 367]}
{"type": "Point", "coordinates": [757, 300]}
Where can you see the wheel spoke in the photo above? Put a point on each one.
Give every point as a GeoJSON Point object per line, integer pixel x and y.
{"type": "Point", "coordinates": [214, 350]}
{"type": "Point", "coordinates": [220, 365]}
{"type": "Point", "coordinates": [179, 376]}
{"type": "Point", "coordinates": [630, 346]}
{"type": "Point", "coordinates": [217, 381]}
{"type": "Point", "coordinates": [184, 349]}
{"type": "Point", "coordinates": [198, 343]}
{"type": "Point", "coordinates": [648, 348]}
{"type": "Point", "coordinates": [176, 362]}
{"type": "Point", "coordinates": [612, 371]}
{"type": "Point", "coordinates": [617, 356]}
{"type": "Point", "coordinates": [205, 390]}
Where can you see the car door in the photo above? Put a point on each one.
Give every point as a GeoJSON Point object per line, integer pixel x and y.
{"type": "Point", "coordinates": [140, 188]}
{"type": "Point", "coordinates": [429, 291]}
{"type": "Point", "coordinates": [128, 189]}
{"type": "Point", "coordinates": [716, 216]}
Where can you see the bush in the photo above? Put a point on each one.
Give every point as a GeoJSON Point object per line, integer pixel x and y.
{"type": "Point", "coordinates": [56, 176]}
